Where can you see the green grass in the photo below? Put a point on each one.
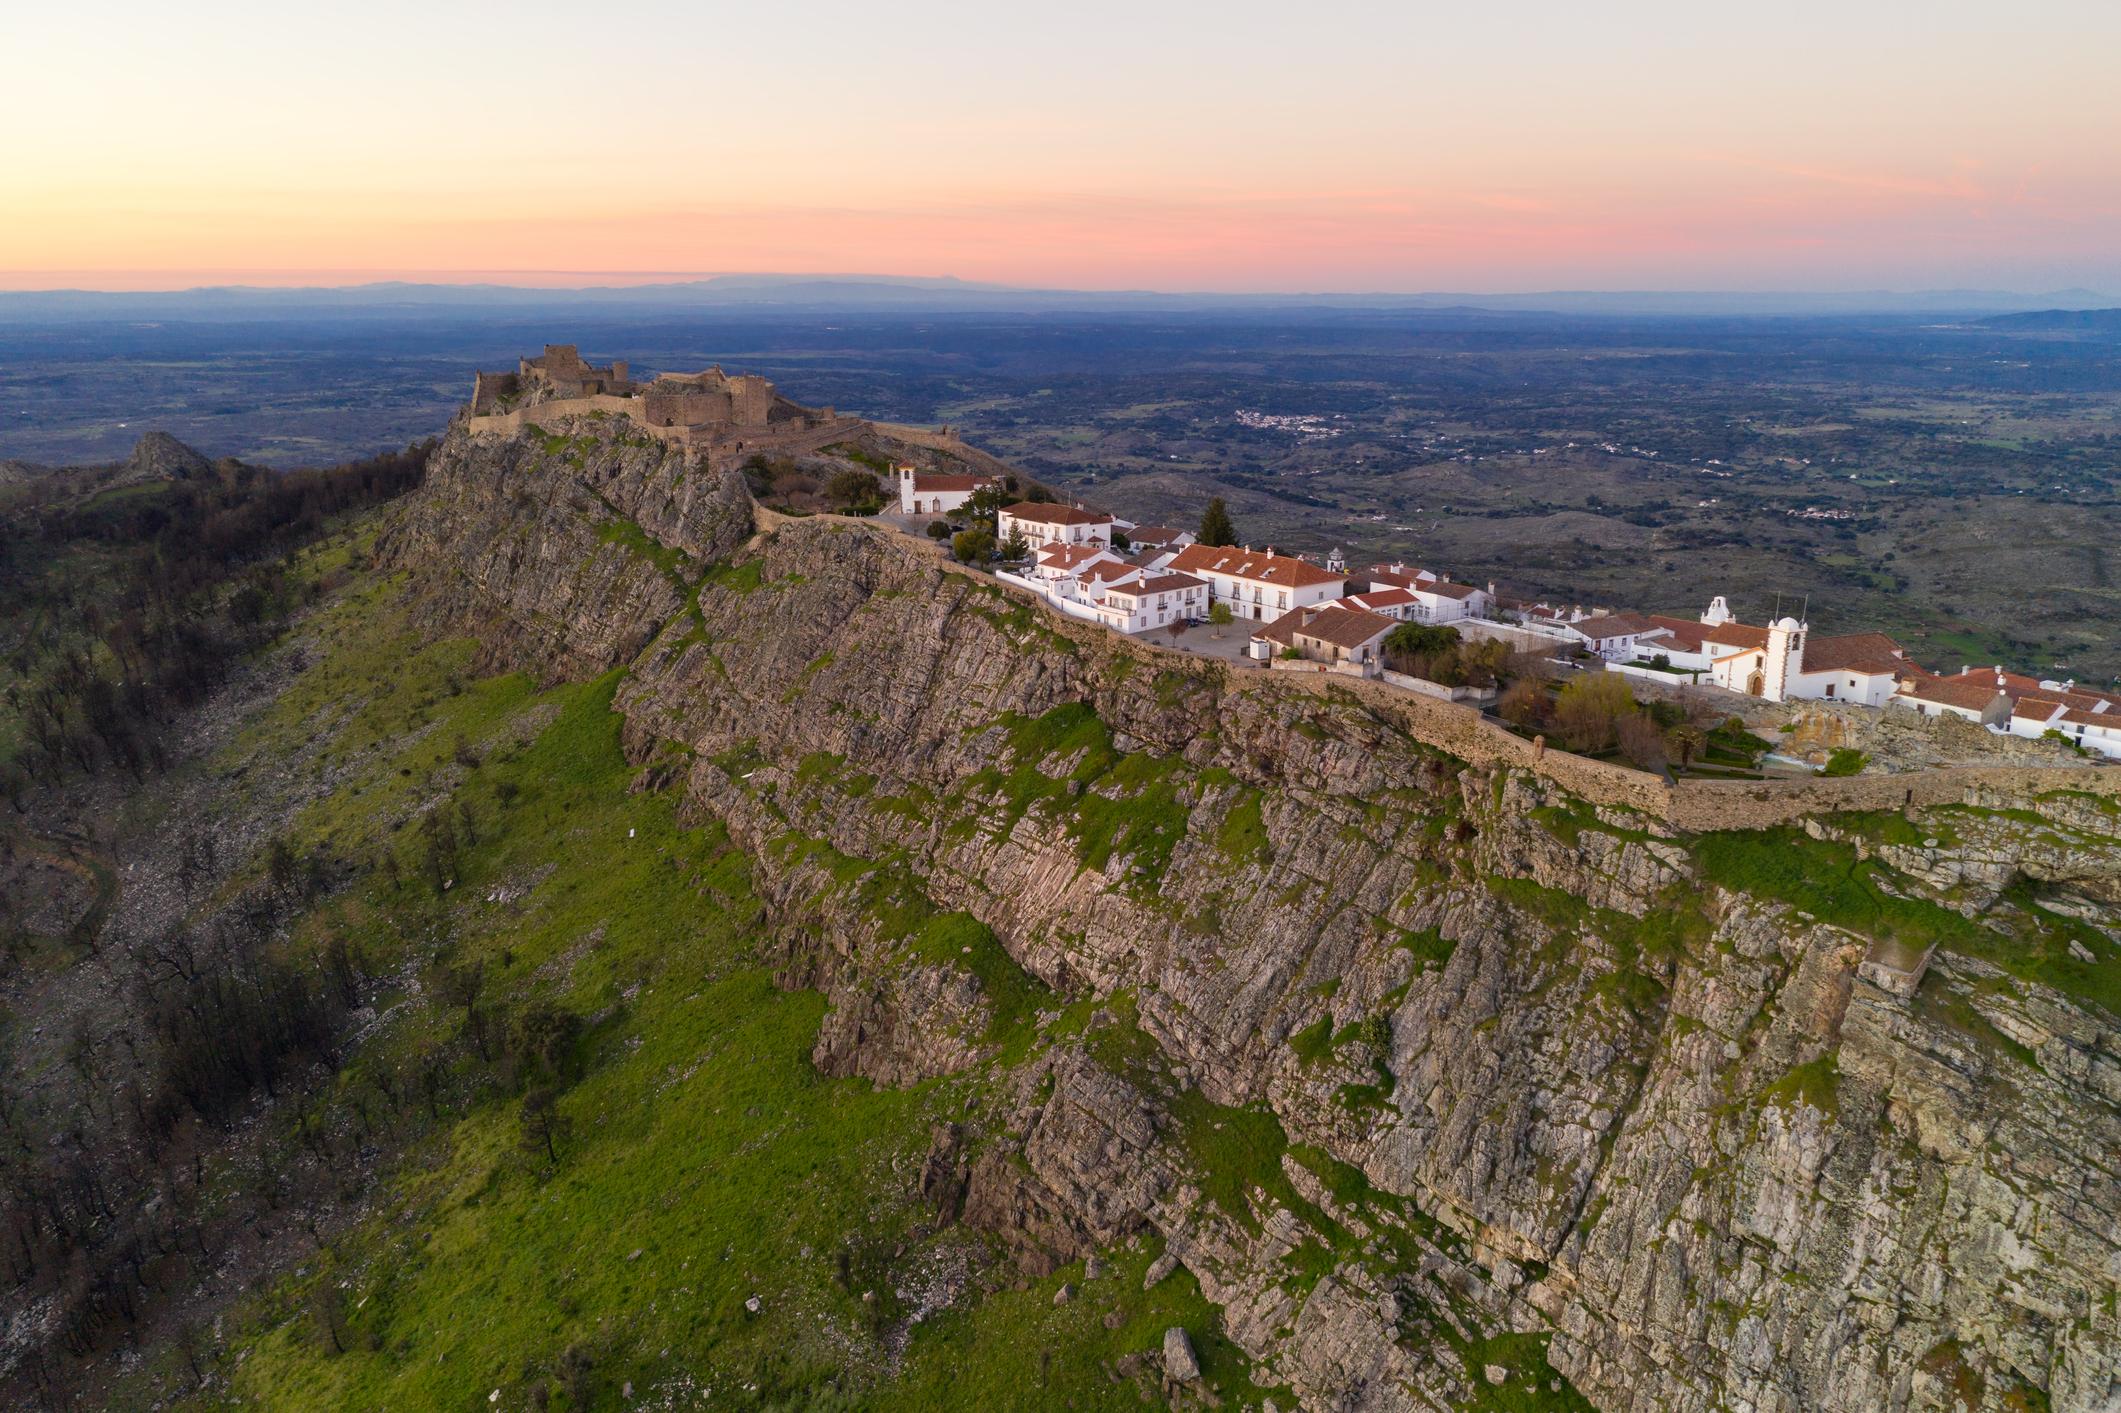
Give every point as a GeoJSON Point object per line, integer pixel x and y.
{"type": "Point", "coordinates": [702, 1137]}
{"type": "Point", "coordinates": [1113, 804]}
{"type": "Point", "coordinates": [743, 577]}
{"type": "Point", "coordinates": [1815, 1082]}
{"type": "Point", "coordinates": [1235, 1152]}
{"type": "Point", "coordinates": [1429, 946]}
{"type": "Point", "coordinates": [675, 565]}
{"type": "Point", "coordinates": [1845, 760]}
{"type": "Point", "coordinates": [1014, 996]}
{"type": "Point", "coordinates": [1314, 1042]}
{"type": "Point", "coordinates": [1017, 1350]}
{"type": "Point", "coordinates": [1242, 835]}
{"type": "Point", "coordinates": [1827, 880]}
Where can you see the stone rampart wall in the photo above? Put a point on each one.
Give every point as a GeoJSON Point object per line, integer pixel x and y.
{"type": "Point", "coordinates": [548, 415]}
{"type": "Point", "coordinates": [719, 442]}
{"type": "Point", "coordinates": [1762, 804]}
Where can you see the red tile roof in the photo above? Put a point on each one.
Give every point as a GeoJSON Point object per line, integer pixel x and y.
{"type": "Point", "coordinates": [1687, 634]}
{"type": "Point", "coordinates": [1735, 635]}
{"type": "Point", "coordinates": [1972, 691]}
{"type": "Point", "coordinates": [937, 481]}
{"type": "Point", "coordinates": [1871, 653]}
{"type": "Point", "coordinates": [1255, 565]}
{"type": "Point", "coordinates": [1614, 625]}
{"type": "Point", "coordinates": [1376, 599]}
{"type": "Point", "coordinates": [1399, 575]}
{"type": "Point", "coordinates": [1445, 589]}
{"type": "Point", "coordinates": [1046, 513]}
{"type": "Point", "coordinates": [1334, 623]}
{"type": "Point", "coordinates": [1162, 584]}
{"type": "Point", "coordinates": [1069, 556]}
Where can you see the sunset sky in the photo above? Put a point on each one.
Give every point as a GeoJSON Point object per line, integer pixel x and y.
{"type": "Point", "coordinates": [1230, 146]}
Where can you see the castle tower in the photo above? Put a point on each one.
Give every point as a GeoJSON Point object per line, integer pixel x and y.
{"type": "Point", "coordinates": [1336, 562]}
{"type": "Point", "coordinates": [1719, 612]}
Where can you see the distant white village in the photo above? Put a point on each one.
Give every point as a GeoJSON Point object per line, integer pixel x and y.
{"type": "Point", "coordinates": [1318, 616]}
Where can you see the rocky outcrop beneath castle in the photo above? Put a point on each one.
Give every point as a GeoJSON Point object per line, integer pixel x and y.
{"type": "Point", "coordinates": [1436, 1077]}
{"type": "Point", "coordinates": [1896, 739]}
{"type": "Point", "coordinates": [564, 550]}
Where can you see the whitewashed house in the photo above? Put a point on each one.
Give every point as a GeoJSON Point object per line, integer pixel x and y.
{"type": "Point", "coordinates": [933, 493]}
{"type": "Point", "coordinates": [1400, 576]}
{"type": "Point", "coordinates": [1159, 537]}
{"type": "Point", "coordinates": [1612, 636]}
{"type": "Point", "coordinates": [1044, 523]}
{"type": "Point", "coordinates": [1391, 602]}
{"type": "Point", "coordinates": [1143, 602]}
{"type": "Point", "coordinates": [1976, 696]}
{"type": "Point", "coordinates": [1446, 602]}
{"type": "Point", "coordinates": [2019, 705]}
{"type": "Point", "coordinates": [1059, 561]}
{"type": "Point", "coordinates": [1258, 585]}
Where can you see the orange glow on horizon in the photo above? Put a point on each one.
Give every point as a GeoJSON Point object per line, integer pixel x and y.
{"type": "Point", "coordinates": [1351, 148]}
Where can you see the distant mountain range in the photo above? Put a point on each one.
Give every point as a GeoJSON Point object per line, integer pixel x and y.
{"type": "Point", "coordinates": [910, 294]}
{"type": "Point", "coordinates": [2059, 321]}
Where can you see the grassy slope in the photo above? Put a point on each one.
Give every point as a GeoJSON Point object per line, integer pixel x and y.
{"type": "Point", "coordinates": [701, 1136]}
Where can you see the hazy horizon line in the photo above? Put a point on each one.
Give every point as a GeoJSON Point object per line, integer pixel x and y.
{"type": "Point", "coordinates": [355, 278]}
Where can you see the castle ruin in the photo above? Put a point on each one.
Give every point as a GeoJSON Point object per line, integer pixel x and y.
{"type": "Point", "coordinates": [711, 410]}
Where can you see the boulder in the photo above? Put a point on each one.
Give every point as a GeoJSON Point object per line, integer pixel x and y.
{"type": "Point", "coordinates": [1181, 1365]}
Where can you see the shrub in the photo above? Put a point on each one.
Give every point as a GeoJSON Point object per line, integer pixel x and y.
{"type": "Point", "coordinates": [1588, 708]}
{"type": "Point", "coordinates": [938, 529]}
{"type": "Point", "coordinates": [972, 546]}
{"type": "Point", "coordinates": [1524, 703]}
{"type": "Point", "coordinates": [1641, 740]}
{"type": "Point", "coordinates": [851, 488]}
{"type": "Point", "coordinates": [1845, 760]}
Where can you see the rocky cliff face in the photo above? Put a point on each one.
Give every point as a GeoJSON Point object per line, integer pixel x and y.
{"type": "Point", "coordinates": [565, 550]}
{"type": "Point", "coordinates": [1451, 1090]}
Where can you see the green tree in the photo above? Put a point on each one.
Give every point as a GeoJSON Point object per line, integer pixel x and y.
{"type": "Point", "coordinates": [1420, 640]}
{"type": "Point", "coordinates": [1219, 614]}
{"type": "Point", "coordinates": [543, 1127]}
{"type": "Point", "coordinates": [1014, 548]}
{"type": "Point", "coordinates": [1588, 708]}
{"type": "Point", "coordinates": [1215, 525]}
{"type": "Point", "coordinates": [972, 546]}
{"type": "Point", "coordinates": [850, 488]}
